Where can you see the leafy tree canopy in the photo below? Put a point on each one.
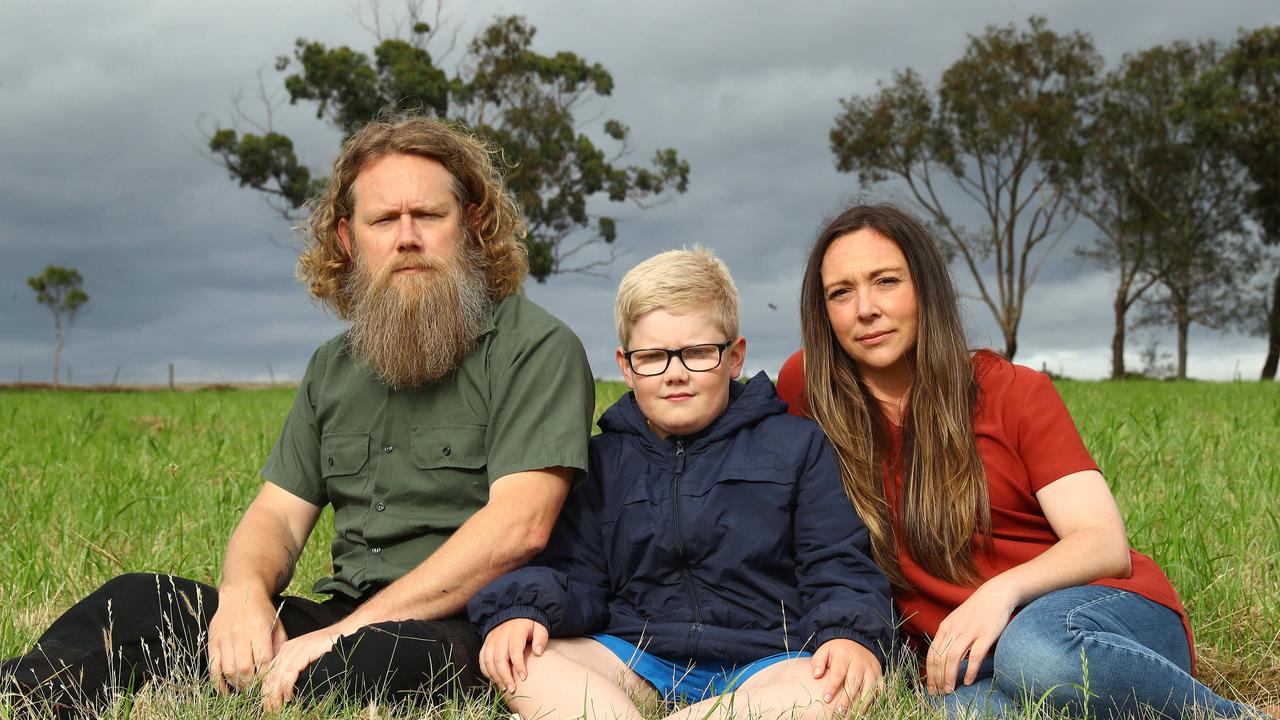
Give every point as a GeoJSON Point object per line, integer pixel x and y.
{"type": "Point", "coordinates": [1002, 127]}
{"type": "Point", "coordinates": [58, 288]}
{"type": "Point", "coordinates": [1238, 106]}
{"type": "Point", "coordinates": [521, 100]}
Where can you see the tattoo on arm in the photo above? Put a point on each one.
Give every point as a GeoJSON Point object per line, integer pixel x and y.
{"type": "Point", "coordinates": [284, 575]}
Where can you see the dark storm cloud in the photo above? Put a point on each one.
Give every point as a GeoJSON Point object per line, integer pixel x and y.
{"type": "Point", "coordinates": [104, 107]}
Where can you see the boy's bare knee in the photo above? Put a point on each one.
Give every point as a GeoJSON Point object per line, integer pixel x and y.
{"type": "Point", "coordinates": [788, 692]}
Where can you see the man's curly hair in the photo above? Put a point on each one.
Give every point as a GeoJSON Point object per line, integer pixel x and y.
{"type": "Point", "coordinates": [491, 218]}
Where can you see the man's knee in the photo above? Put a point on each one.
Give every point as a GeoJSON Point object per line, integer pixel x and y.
{"type": "Point", "coordinates": [397, 661]}
{"type": "Point", "coordinates": [131, 586]}
{"type": "Point", "coordinates": [173, 604]}
{"type": "Point", "coordinates": [132, 589]}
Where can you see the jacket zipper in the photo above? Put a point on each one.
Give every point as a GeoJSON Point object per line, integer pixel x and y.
{"type": "Point", "coordinates": [684, 571]}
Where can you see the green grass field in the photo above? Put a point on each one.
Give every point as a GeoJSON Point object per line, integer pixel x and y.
{"type": "Point", "coordinates": [96, 484]}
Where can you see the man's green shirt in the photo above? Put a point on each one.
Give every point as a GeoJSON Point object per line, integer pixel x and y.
{"type": "Point", "coordinates": [404, 469]}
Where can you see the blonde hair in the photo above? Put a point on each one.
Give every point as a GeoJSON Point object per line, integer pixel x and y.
{"type": "Point", "coordinates": [491, 219]}
{"type": "Point", "coordinates": [676, 281]}
{"type": "Point", "coordinates": [943, 514]}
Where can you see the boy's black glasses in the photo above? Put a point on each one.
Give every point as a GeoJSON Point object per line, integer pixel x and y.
{"type": "Point", "coordinates": [696, 358]}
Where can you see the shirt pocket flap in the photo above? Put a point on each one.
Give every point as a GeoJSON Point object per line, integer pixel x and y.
{"type": "Point", "coordinates": [343, 453]}
{"type": "Point", "coordinates": [448, 446]}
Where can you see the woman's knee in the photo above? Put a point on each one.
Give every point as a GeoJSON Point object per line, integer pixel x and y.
{"type": "Point", "coordinates": [1037, 652]}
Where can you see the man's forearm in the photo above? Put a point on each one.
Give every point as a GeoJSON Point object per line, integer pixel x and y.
{"type": "Point", "coordinates": [263, 551]}
{"type": "Point", "coordinates": [502, 536]}
{"type": "Point", "coordinates": [258, 560]}
{"type": "Point", "coordinates": [480, 551]}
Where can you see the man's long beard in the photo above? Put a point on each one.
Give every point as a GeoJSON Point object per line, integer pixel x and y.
{"type": "Point", "coordinates": [415, 329]}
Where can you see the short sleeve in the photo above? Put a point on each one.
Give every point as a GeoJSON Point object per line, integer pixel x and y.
{"type": "Point", "coordinates": [1048, 441]}
{"type": "Point", "coordinates": [791, 384]}
{"type": "Point", "coordinates": [543, 401]}
{"type": "Point", "coordinates": [294, 462]}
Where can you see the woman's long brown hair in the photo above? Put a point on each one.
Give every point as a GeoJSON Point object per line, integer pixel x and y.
{"type": "Point", "coordinates": [943, 513]}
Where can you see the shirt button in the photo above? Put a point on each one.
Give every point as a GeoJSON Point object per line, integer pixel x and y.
{"type": "Point", "coordinates": [446, 451]}
{"type": "Point", "coordinates": [387, 448]}
{"type": "Point", "coordinates": [379, 507]}
{"type": "Point", "coordinates": [330, 461]}
{"type": "Point", "coordinates": [375, 549]}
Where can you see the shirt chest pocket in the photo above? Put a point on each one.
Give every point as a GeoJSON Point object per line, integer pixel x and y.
{"type": "Point", "coordinates": [458, 447]}
{"type": "Point", "coordinates": [451, 481]}
{"type": "Point", "coordinates": [343, 458]}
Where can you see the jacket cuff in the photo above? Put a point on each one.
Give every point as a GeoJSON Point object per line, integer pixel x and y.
{"type": "Point", "coordinates": [511, 613]}
{"type": "Point", "coordinates": [843, 632]}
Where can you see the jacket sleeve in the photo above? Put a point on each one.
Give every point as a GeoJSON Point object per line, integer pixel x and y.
{"type": "Point", "coordinates": [845, 593]}
{"type": "Point", "coordinates": [566, 586]}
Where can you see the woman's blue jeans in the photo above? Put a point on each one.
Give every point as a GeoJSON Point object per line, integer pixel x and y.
{"type": "Point", "coordinates": [1090, 649]}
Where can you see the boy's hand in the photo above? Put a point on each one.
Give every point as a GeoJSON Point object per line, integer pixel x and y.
{"type": "Point", "coordinates": [502, 656]}
{"type": "Point", "coordinates": [853, 674]}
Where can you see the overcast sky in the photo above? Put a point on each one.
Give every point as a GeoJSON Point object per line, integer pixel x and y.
{"type": "Point", "coordinates": [104, 108]}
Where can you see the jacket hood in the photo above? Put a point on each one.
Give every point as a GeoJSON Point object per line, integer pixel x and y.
{"type": "Point", "coordinates": [749, 403]}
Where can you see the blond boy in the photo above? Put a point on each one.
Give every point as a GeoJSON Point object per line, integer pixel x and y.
{"type": "Point", "coordinates": [711, 556]}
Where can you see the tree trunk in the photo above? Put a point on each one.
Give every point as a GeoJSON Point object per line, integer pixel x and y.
{"type": "Point", "coordinates": [1273, 332]}
{"type": "Point", "coordinates": [57, 347]}
{"type": "Point", "coordinates": [1184, 324]}
{"type": "Point", "coordinates": [1010, 345]}
{"type": "Point", "coordinates": [1117, 338]}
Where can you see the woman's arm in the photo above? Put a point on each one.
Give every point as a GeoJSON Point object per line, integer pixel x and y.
{"type": "Point", "coordinates": [1091, 544]}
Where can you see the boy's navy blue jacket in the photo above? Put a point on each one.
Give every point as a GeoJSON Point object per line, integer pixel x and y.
{"type": "Point", "coordinates": [734, 543]}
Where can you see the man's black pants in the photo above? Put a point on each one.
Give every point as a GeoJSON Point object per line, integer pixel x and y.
{"type": "Point", "coordinates": [142, 626]}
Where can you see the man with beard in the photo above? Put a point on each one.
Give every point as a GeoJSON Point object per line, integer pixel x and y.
{"type": "Point", "coordinates": [444, 427]}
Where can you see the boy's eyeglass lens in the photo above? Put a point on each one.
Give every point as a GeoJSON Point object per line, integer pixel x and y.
{"type": "Point", "coordinates": [696, 358]}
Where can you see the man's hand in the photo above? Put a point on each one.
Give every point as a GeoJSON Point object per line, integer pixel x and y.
{"type": "Point", "coordinates": [971, 630]}
{"type": "Point", "coordinates": [502, 657]}
{"type": "Point", "coordinates": [244, 636]}
{"type": "Point", "coordinates": [853, 673]}
{"type": "Point", "coordinates": [293, 658]}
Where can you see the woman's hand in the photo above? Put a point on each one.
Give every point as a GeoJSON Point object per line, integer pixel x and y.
{"type": "Point", "coordinates": [971, 630]}
{"type": "Point", "coordinates": [853, 673]}
{"type": "Point", "coordinates": [1091, 544]}
{"type": "Point", "coordinates": [502, 655]}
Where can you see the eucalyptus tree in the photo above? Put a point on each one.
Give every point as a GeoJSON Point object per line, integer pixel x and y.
{"type": "Point", "coordinates": [1239, 106]}
{"type": "Point", "coordinates": [1125, 136]}
{"type": "Point", "coordinates": [524, 101]}
{"type": "Point", "coordinates": [59, 289]}
{"type": "Point", "coordinates": [1192, 197]}
{"type": "Point", "coordinates": [1003, 127]}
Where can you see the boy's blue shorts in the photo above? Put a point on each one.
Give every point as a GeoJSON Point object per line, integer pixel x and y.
{"type": "Point", "coordinates": [688, 681]}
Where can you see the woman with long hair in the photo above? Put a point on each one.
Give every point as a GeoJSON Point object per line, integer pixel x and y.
{"type": "Point", "coordinates": [1008, 556]}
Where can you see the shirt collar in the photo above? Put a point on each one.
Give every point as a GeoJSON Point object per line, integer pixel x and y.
{"type": "Point", "coordinates": [488, 325]}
